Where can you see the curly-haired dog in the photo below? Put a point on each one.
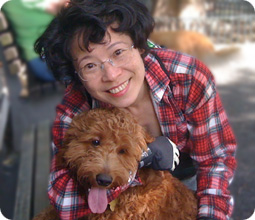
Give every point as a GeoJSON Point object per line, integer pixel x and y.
{"type": "Point", "coordinates": [102, 148]}
{"type": "Point", "coordinates": [192, 43]}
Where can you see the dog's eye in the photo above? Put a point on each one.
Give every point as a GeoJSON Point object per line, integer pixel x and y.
{"type": "Point", "coordinates": [95, 143]}
{"type": "Point", "coordinates": [122, 151]}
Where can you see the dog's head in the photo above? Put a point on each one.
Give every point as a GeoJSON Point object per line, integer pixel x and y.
{"type": "Point", "coordinates": [104, 147]}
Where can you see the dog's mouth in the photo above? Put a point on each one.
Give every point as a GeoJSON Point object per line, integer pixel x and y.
{"type": "Point", "coordinates": [97, 195]}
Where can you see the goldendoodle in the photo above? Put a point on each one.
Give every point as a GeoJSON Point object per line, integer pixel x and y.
{"type": "Point", "coordinates": [102, 150]}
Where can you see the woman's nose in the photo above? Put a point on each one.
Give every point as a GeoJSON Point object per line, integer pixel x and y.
{"type": "Point", "coordinates": [110, 71]}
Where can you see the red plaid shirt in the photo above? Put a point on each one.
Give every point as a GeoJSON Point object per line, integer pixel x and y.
{"type": "Point", "coordinates": [190, 113]}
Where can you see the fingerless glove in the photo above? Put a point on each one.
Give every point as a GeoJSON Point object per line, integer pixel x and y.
{"type": "Point", "coordinates": [162, 154]}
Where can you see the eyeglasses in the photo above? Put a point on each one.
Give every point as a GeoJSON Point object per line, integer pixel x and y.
{"type": "Point", "coordinates": [92, 70]}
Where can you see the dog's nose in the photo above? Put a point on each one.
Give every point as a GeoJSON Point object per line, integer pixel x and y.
{"type": "Point", "coordinates": [103, 179]}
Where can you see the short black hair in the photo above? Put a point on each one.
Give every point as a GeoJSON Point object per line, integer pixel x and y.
{"type": "Point", "coordinates": [90, 19]}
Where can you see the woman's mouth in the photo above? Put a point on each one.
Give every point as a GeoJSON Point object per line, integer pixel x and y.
{"type": "Point", "coordinates": [119, 89]}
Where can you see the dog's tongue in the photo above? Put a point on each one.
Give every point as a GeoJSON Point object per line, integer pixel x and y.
{"type": "Point", "coordinates": [97, 200]}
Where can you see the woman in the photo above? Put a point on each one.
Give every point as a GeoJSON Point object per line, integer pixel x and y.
{"type": "Point", "coordinates": [100, 48]}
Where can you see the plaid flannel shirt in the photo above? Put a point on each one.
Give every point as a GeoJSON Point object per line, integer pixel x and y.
{"type": "Point", "coordinates": [190, 113]}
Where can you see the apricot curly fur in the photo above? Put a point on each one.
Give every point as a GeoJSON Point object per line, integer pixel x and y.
{"type": "Point", "coordinates": [122, 141]}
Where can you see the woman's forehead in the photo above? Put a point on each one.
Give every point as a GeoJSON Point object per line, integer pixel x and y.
{"type": "Point", "coordinates": [111, 38]}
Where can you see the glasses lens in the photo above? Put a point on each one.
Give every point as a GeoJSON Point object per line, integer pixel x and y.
{"type": "Point", "coordinates": [89, 71]}
{"type": "Point", "coordinates": [119, 58]}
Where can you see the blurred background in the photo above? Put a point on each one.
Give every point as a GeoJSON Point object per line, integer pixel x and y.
{"type": "Point", "coordinates": [219, 32]}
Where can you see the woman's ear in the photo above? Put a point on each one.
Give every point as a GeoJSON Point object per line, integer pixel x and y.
{"type": "Point", "coordinates": [141, 51]}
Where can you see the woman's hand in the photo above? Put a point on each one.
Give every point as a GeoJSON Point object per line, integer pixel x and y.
{"type": "Point", "coordinates": [162, 155]}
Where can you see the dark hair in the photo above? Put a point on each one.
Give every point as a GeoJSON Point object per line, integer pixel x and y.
{"type": "Point", "coordinates": [90, 19]}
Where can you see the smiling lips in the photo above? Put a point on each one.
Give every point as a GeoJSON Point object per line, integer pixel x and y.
{"type": "Point", "coordinates": [119, 89]}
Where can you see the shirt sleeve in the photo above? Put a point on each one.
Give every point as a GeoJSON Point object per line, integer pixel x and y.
{"type": "Point", "coordinates": [36, 4]}
{"type": "Point", "coordinates": [43, 5]}
{"type": "Point", "coordinates": [62, 190]}
{"type": "Point", "coordinates": [63, 195]}
{"type": "Point", "coordinates": [213, 146]}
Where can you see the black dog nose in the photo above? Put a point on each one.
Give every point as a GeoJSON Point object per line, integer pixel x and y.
{"type": "Point", "coordinates": [103, 179]}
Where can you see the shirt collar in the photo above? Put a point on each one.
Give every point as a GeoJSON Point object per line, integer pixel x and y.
{"type": "Point", "coordinates": [157, 79]}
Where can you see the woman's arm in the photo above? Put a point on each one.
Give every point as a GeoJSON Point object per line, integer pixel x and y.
{"type": "Point", "coordinates": [213, 146]}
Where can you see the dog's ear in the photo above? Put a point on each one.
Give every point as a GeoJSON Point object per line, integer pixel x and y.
{"type": "Point", "coordinates": [60, 156]}
{"type": "Point", "coordinates": [146, 138]}
{"type": "Point", "coordinates": [74, 131]}
{"type": "Point", "coordinates": [60, 160]}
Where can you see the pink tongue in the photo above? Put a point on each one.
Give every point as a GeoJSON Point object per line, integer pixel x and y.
{"type": "Point", "coordinates": [97, 200]}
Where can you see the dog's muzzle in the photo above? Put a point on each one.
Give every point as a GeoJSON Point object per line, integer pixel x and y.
{"type": "Point", "coordinates": [103, 179]}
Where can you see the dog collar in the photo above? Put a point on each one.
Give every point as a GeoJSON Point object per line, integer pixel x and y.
{"type": "Point", "coordinates": [134, 180]}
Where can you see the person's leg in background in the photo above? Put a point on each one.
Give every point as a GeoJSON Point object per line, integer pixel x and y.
{"type": "Point", "coordinates": [40, 70]}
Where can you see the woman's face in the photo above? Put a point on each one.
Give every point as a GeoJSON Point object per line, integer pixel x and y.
{"type": "Point", "coordinates": [121, 85]}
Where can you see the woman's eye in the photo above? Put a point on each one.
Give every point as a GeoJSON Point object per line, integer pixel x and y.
{"type": "Point", "coordinates": [95, 143]}
{"type": "Point", "coordinates": [118, 52]}
{"type": "Point", "coordinates": [90, 66]}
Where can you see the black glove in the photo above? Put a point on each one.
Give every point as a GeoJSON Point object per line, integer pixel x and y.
{"type": "Point", "coordinates": [162, 155]}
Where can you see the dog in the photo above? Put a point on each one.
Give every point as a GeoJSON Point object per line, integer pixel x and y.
{"type": "Point", "coordinates": [102, 149]}
{"type": "Point", "coordinates": [180, 8]}
{"type": "Point", "coordinates": [181, 14]}
{"type": "Point", "coordinates": [192, 43]}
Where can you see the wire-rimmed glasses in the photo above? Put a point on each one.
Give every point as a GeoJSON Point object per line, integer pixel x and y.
{"type": "Point", "coordinates": [92, 70]}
